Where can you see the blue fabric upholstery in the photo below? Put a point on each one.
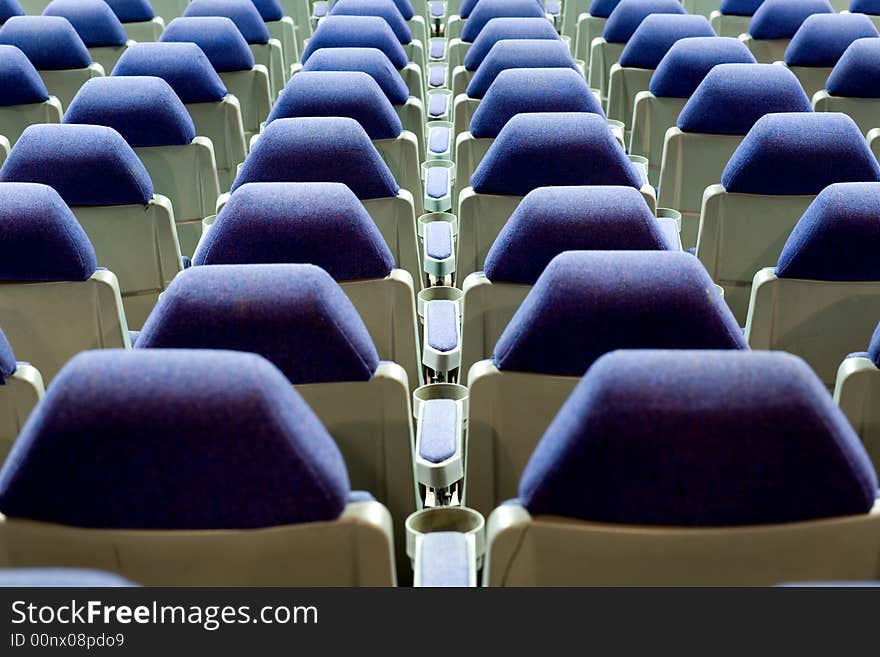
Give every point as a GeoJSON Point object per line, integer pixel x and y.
{"type": "Point", "coordinates": [318, 149]}
{"type": "Point", "coordinates": [7, 358]}
{"type": "Point", "coordinates": [20, 84]}
{"type": "Point", "coordinates": [133, 455]}
{"type": "Point", "coordinates": [603, 8]}
{"type": "Point", "coordinates": [441, 325]}
{"type": "Point", "coordinates": [739, 7]}
{"type": "Point", "coordinates": [385, 9]}
{"type": "Point", "coordinates": [356, 32]}
{"type": "Point", "coordinates": [519, 90]}
{"type": "Point", "coordinates": [437, 182]}
{"type": "Point", "coordinates": [444, 560]}
{"type": "Point", "coordinates": [587, 303]}
{"type": "Point", "coordinates": [551, 220]}
{"type": "Point", "coordinates": [293, 314]}
{"type": "Point", "coordinates": [132, 11]}
{"type": "Point", "coordinates": [657, 33]}
{"type": "Point", "coordinates": [823, 38]}
{"type": "Point", "coordinates": [438, 430]}
{"type": "Point", "coordinates": [270, 10]}
{"type": "Point", "coordinates": [499, 29]}
{"type": "Point", "coordinates": [50, 42]}
{"type": "Point", "coordinates": [573, 149]}
{"type": "Point", "coordinates": [85, 164]}
{"type": "Point", "coordinates": [799, 153]}
{"type": "Point", "coordinates": [59, 577]}
{"type": "Point", "coordinates": [182, 65]}
{"type": "Point", "coordinates": [339, 93]}
{"type": "Point", "coordinates": [780, 19]}
{"type": "Point", "coordinates": [732, 97]}
{"type": "Point", "coordinates": [874, 347]}
{"type": "Point", "coordinates": [688, 62]}
{"type": "Point", "coordinates": [486, 10]}
{"type": "Point", "coordinates": [871, 7]}
{"type": "Point", "coordinates": [371, 61]}
{"type": "Point", "coordinates": [629, 14]}
{"type": "Point", "coordinates": [144, 110]}
{"type": "Point", "coordinates": [322, 224]}
{"type": "Point", "coordinates": [242, 12]}
{"type": "Point", "coordinates": [8, 9]}
{"type": "Point", "coordinates": [699, 439]}
{"type": "Point", "coordinates": [519, 53]}
{"type": "Point", "coordinates": [439, 240]}
{"type": "Point", "coordinates": [837, 238]}
{"type": "Point", "coordinates": [217, 36]}
{"type": "Point", "coordinates": [93, 20]}
{"type": "Point", "coordinates": [857, 73]}
{"type": "Point", "coordinates": [466, 7]}
{"type": "Point", "coordinates": [40, 239]}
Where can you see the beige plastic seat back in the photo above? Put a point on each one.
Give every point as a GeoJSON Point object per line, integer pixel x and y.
{"type": "Point", "coordinates": [726, 25]}
{"type": "Point", "coordinates": [50, 322]}
{"type": "Point", "coordinates": [15, 118]}
{"type": "Point", "coordinates": [522, 550]}
{"type": "Point", "coordinates": [508, 414]}
{"type": "Point", "coordinates": [603, 55]}
{"type": "Point", "coordinates": [624, 84]}
{"type": "Point", "coordinates": [107, 56]}
{"type": "Point", "coordinates": [812, 78]}
{"type": "Point", "coordinates": [187, 177]}
{"type": "Point", "coordinates": [820, 321]}
{"type": "Point", "coordinates": [354, 550]}
{"type": "Point", "coordinates": [766, 51]}
{"type": "Point", "coordinates": [741, 234]}
{"type": "Point", "coordinates": [254, 95]}
{"type": "Point", "coordinates": [64, 84]}
{"type": "Point", "coordinates": [388, 309]}
{"type": "Point", "coordinates": [18, 396]}
{"type": "Point", "coordinates": [145, 31]}
{"type": "Point", "coordinates": [653, 117]}
{"type": "Point", "coordinates": [864, 111]}
{"type": "Point", "coordinates": [221, 122]}
{"type": "Point", "coordinates": [168, 9]}
{"type": "Point", "coordinates": [270, 55]}
{"type": "Point", "coordinates": [371, 422]}
{"type": "Point", "coordinates": [589, 28]}
{"type": "Point", "coordinates": [137, 243]}
{"type": "Point", "coordinates": [284, 32]}
{"type": "Point", "coordinates": [857, 391]}
{"type": "Point", "coordinates": [401, 154]}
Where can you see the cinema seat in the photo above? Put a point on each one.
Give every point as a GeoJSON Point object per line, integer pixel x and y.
{"type": "Point", "coordinates": [21, 387]}
{"type": "Point", "coordinates": [24, 99]}
{"type": "Point", "coordinates": [548, 221]}
{"type": "Point", "coordinates": [155, 123]}
{"type": "Point", "coordinates": [266, 50]}
{"type": "Point", "coordinates": [691, 469]}
{"type": "Point", "coordinates": [54, 300]}
{"type": "Point", "coordinates": [376, 64]}
{"type": "Point", "coordinates": [357, 96]}
{"type": "Point", "coordinates": [504, 55]}
{"type": "Point", "coordinates": [410, 34]}
{"type": "Point", "coordinates": [575, 148]}
{"type": "Point", "coordinates": [322, 224]}
{"type": "Point", "coordinates": [513, 92]}
{"type": "Point", "coordinates": [857, 390]}
{"type": "Point", "coordinates": [233, 60]}
{"type": "Point", "coordinates": [823, 297]}
{"type": "Point", "coordinates": [675, 79]}
{"type": "Point", "coordinates": [325, 149]}
{"type": "Point", "coordinates": [8, 9]}
{"type": "Point", "coordinates": [110, 192]}
{"type": "Point", "coordinates": [710, 127]}
{"type": "Point", "coordinates": [297, 317]}
{"type": "Point", "coordinates": [853, 87]}
{"type": "Point", "coordinates": [465, 60]}
{"type": "Point", "coordinates": [775, 23]}
{"type": "Point", "coordinates": [820, 42]}
{"type": "Point", "coordinates": [869, 7]}
{"type": "Point", "coordinates": [268, 505]}
{"type": "Point", "coordinates": [619, 28]}
{"type": "Point", "coordinates": [138, 19]}
{"type": "Point", "coordinates": [366, 32]}
{"type": "Point", "coordinates": [643, 52]}
{"type": "Point", "coordinates": [583, 305]}
{"type": "Point", "coordinates": [768, 183]}
{"type": "Point", "coordinates": [55, 50]}
{"type": "Point", "coordinates": [216, 114]}
{"type": "Point", "coordinates": [97, 26]}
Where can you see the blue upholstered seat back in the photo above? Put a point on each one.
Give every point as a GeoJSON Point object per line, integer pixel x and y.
{"type": "Point", "coordinates": [371, 61]}
{"type": "Point", "coordinates": [182, 65]}
{"type": "Point", "coordinates": [93, 20]}
{"type": "Point", "coordinates": [499, 29]}
{"type": "Point", "coordinates": [20, 84]}
{"type": "Point", "coordinates": [50, 42]}
{"type": "Point", "coordinates": [656, 35]}
{"type": "Point", "coordinates": [780, 19]}
{"type": "Point", "coordinates": [519, 53]}
{"type": "Point", "coordinates": [857, 73]}
{"type": "Point", "coordinates": [217, 36]}
{"type": "Point", "coordinates": [356, 32]}
{"type": "Point", "coordinates": [688, 62]}
{"type": "Point", "coordinates": [822, 38]}
{"type": "Point", "coordinates": [242, 12]}
{"type": "Point", "coordinates": [629, 14]}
